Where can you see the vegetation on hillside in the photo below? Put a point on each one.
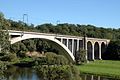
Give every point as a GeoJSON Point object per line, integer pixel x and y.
{"type": "Point", "coordinates": [69, 29]}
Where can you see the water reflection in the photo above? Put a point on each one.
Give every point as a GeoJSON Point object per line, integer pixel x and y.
{"type": "Point", "coordinates": [17, 73]}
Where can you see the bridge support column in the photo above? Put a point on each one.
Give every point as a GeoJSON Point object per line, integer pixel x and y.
{"type": "Point", "coordinates": [92, 77]}
{"type": "Point", "coordinates": [67, 42]}
{"type": "Point", "coordinates": [77, 44]}
{"type": "Point", "coordinates": [85, 46]}
{"type": "Point", "coordinates": [73, 46]}
{"type": "Point", "coordinates": [98, 77]}
{"type": "Point", "coordinates": [100, 51]}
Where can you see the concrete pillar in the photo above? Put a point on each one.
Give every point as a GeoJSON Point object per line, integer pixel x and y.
{"type": "Point", "coordinates": [77, 44]}
{"type": "Point", "coordinates": [98, 77]}
{"type": "Point", "coordinates": [85, 45]}
{"type": "Point", "coordinates": [100, 51]}
{"type": "Point", "coordinates": [85, 77]}
{"type": "Point", "coordinates": [67, 42]}
{"type": "Point", "coordinates": [92, 77]}
{"type": "Point", "coordinates": [93, 57]}
{"type": "Point", "coordinates": [72, 45]}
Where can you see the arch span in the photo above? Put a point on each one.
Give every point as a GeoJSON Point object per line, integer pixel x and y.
{"type": "Point", "coordinates": [47, 37]}
{"type": "Point", "coordinates": [103, 48]}
{"type": "Point", "coordinates": [89, 50]}
{"type": "Point", "coordinates": [96, 50]}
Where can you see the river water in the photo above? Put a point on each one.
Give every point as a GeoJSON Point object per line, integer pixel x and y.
{"type": "Point", "coordinates": [16, 73]}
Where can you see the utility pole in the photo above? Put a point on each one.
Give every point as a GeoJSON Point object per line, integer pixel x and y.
{"type": "Point", "coordinates": [25, 16]}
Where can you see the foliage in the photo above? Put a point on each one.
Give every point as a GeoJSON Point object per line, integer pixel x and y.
{"type": "Point", "coordinates": [9, 57]}
{"type": "Point", "coordinates": [52, 59]}
{"type": "Point", "coordinates": [2, 66]}
{"type": "Point", "coordinates": [21, 54]}
{"type": "Point", "coordinates": [30, 45]}
{"type": "Point", "coordinates": [27, 59]}
{"type": "Point", "coordinates": [42, 45]}
{"type": "Point", "coordinates": [4, 41]}
{"type": "Point", "coordinates": [61, 60]}
{"type": "Point", "coordinates": [113, 50]}
{"type": "Point", "coordinates": [58, 73]}
{"type": "Point", "coordinates": [4, 24]}
{"type": "Point", "coordinates": [80, 56]}
{"type": "Point", "coordinates": [40, 61]}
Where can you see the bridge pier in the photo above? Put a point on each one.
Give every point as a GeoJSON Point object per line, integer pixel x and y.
{"type": "Point", "coordinates": [72, 46]}
{"type": "Point", "coordinates": [77, 45]}
{"type": "Point", "coordinates": [100, 52]}
{"type": "Point", "coordinates": [67, 42]}
{"type": "Point", "coordinates": [85, 46]}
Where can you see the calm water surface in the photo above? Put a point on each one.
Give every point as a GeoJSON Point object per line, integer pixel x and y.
{"type": "Point", "coordinates": [16, 73]}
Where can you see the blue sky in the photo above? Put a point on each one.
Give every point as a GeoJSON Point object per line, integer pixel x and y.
{"type": "Point", "coordinates": [101, 13]}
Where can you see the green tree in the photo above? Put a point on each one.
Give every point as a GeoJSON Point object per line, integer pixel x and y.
{"type": "Point", "coordinates": [113, 50]}
{"type": "Point", "coordinates": [4, 35]}
{"type": "Point", "coordinates": [4, 24]}
{"type": "Point", "coordinates": [30, 45]}
{"type": "Point", "coordinates": [80, 56]}
{"type": "Point", "coordinates": [4, 41]}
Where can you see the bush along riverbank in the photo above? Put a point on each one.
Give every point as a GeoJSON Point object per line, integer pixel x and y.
{"type": "Point", "coordinates": [107, 68]}
{"type": "Point", "coordinates": [51, 67]}
{"type": "Point", "coordinates": [63, 72]}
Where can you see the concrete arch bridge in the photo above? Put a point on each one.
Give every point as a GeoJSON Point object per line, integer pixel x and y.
{"type": "Point", "coordinates": [69, 44]}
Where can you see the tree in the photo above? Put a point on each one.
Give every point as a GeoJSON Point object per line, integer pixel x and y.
{"type": "Point", "coordinates": [30, 45]}
{"type": "Point", "coordinates": [4, 41]}
{"type": "Point", "coordinates": [42, 45]}
{"type": "Point", "coordinates": [4, 24]}
{"type": "Point", "coordinates": [80, 56]}
{"type": "Point", "coordinates": [4, 35]}
{"type": "Point", "coordinates": [113, 50]}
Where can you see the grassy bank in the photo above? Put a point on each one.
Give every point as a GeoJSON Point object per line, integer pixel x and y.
{"type": "Point", "coordinates": [102, 67]}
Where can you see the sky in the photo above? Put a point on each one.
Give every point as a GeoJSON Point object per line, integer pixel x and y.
{"type": "Point", "coordinates": [101, 13]}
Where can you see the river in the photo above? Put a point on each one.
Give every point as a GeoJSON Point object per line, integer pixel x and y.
{"type": "Point", "coordinates": [17, 73]}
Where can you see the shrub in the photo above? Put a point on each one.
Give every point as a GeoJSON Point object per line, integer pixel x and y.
{"type": "Point", "coordinates": [80, 56]}
{"type": "Point", "coordinates": [61, 60]}
{"type": "Point", "coordinates": [9, 57]}
{"type": "Point", "coordinates": [52, 59]}
{"type": "Point", "coordinates": [58, 73]}
{"type": "Point", "coordinates": [40, 61]}
{"type": "Point", "coordinates": [21, 54]}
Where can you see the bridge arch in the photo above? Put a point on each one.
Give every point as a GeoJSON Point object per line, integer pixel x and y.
{"type": "Point", "coordinates": [46, 37]}
{"type": "Point", "coordinates": [89, 50]}
{"type": "Point", "coordinates": [96, 50]}
{"type": "Point", "coordinates": [103, 48]}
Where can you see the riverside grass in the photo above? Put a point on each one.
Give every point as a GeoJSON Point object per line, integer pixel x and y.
{"type": "Point", "coordinates": [107, 68]}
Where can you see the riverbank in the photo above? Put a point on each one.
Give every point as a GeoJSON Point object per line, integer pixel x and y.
{"type": "Point", "coordinates": [102, 67]}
